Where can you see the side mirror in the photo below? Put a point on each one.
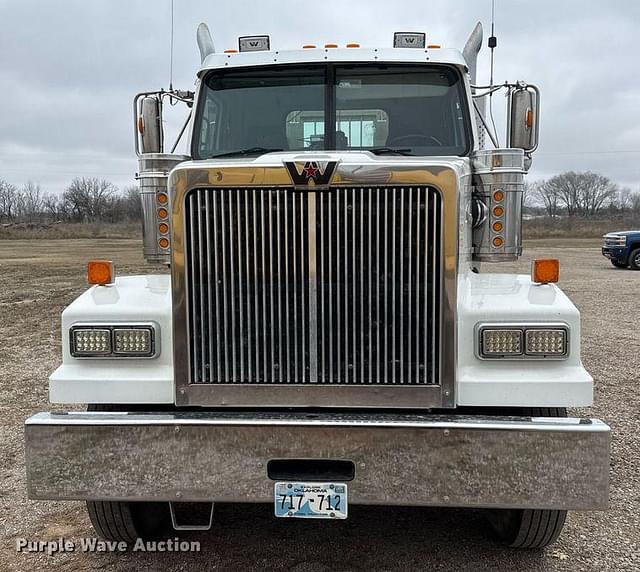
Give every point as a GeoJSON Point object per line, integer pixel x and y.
{"type": "Point", "coordinates": [524, 118]}
{"type": "Point", "coordinates": [150, 125]}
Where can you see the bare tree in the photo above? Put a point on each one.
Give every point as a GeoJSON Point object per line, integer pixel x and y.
{"type": "Point", "coordinates": [548, 194]}
{"type": "Point", "coordinates": [89, 199]}
{"type": "Point", "coordinates": [595, 193]}
{"type": "Point", "coordinates": [9, 201]}
{"type": "Point", "coordinates": [32, 201]}
{"type": "Point", "coordinates": [635, 202]}
{"type": "Point", "coordinates": [132, 202]}
{"type": "Point", "coordinates": [579, 194]}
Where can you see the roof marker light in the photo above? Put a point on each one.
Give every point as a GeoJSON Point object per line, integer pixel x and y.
{"type": "Point", "coordinates": [331, 45]}
{"type": "Point", "coordinates": [353, 45]}
{"type": "Point", "coordinates": [231, 51]}
{"type": "Point", "coordinates": [409, 40]}
{"type": "Point", "coordinates": [254, 44]}
{"type": "Point", "coordinates": [434, 46]}
{"type": "Point", "coordinates": [308, 47]}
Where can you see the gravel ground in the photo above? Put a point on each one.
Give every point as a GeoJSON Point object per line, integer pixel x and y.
{"type": "Point", "coordinates": [38, 278]}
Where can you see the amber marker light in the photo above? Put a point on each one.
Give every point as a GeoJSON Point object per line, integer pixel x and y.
{"type": "Point", "coordinates": [498, 211]}
{"type": "Point", "coordinates": [545, 271]}
{"type": "Point", "coordinates": [100, 272]}
{"type": "Point", "coordinates": [331, 45]}
{"type": "Point", "coordinates": [163, 227]}
{"type": "Point", "coordinates": [308, 47]}
{"type": "Point", "coordinates": [163, 213]}
{"type": "Point", "coordinates": [353, 45]}
{"type": "Point", "coordinates": [231, 51]}
{"type": "Point", "coordinates": [497, 226]}
{"type": "Point", "coordinates": [529, 119]}
{"type": "Point", "coordinates": [498, 196]}
{"type": "Point", "coordinates": [434, 46]}
{"type": "Point", "coordinates": [164, 243]}
{"type": "Point", "coordinates": [163, 199]}
{"type": "Point", "coordinates": [498, 241]}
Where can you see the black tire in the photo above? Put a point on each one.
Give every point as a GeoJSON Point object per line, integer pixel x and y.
{"type": "Point", "coordinates": [634, 259]}
{"type": "Point", "coordinates": [530, 528]}
{"type": "Point", "coordinates": [128, 521]}
{"type": "Point", "coordinates": [618, 264]}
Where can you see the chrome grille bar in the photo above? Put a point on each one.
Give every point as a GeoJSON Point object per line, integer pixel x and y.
{"type": "Point", "coordinates": [330, 286]}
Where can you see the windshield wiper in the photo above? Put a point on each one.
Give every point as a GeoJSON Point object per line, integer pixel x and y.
{"type": "Point", "coordinates": [245, 152]}
{"type": "Point", "coordinates": [390, 151]}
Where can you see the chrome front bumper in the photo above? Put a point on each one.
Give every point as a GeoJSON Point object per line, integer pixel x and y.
{"type": "Point", "coordinates": [400, 459]}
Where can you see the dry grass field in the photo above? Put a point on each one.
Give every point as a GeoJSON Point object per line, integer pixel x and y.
{"type": "Point", "coordinates": [39, 277]}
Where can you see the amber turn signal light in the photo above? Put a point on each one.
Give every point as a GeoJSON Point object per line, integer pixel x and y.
{"type": "Point", "coordinates": [100, 272]}
{"type": "Point", "coordinates": [545, 271]}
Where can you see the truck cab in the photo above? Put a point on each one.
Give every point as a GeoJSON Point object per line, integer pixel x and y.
{"type": "Point", "coordinates": [622, 249]}
{"type": "Point", "coordinates": [326, 335]}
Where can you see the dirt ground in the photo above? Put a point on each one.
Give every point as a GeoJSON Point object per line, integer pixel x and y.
{"type": "Point", "coordinates": [39, 277]}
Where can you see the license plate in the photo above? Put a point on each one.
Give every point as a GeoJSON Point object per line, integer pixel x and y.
{"type": "Point", "coordinates": [311, 500]}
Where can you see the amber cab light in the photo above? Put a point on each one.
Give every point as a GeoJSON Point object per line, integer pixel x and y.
{"type": "Point", "coordinates": [100, 272]}
{"type": "Point", "coordinates": [545, 271]}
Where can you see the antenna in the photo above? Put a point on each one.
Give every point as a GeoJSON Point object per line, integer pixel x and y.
{"type": "Point", "coordinates": [493, 43]}
{"type": "Point", "coordinates": [171, 52]}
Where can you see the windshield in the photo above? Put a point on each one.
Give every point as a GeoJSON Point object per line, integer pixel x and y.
{"type": "Point", "coordinates": [392, 108]}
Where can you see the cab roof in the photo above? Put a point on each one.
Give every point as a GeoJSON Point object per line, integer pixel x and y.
{"type": "Point", "coordinates": [338, 55]}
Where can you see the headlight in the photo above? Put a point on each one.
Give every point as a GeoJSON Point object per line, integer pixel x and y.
{"type": "Point", "coordinates": [498, 343]}
{"type": "Point", "coordinates": [133, 341]}
{"type": "Point", "coordinates": [522, 341]}
{"type": "Point", "coordinates": [114, 341]}
{"type": "Point", "coordinates": [548, 342]}
{"type": "Point", "coordinates": [91, 341]}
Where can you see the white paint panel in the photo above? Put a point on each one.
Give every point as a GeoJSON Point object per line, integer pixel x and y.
{"type": "Point", "coordinates": [119, 380]}
{"type": "Point", "coordinates": [523, 382]}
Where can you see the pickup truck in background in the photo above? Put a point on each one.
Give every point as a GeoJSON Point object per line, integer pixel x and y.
{"type": "Point", "coordinates": [623, 249]}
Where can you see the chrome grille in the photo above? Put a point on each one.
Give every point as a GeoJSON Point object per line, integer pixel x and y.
{"type": "Point", "coordinates": [331, 286]}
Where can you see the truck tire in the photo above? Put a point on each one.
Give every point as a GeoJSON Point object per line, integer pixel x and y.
{"type": "Point", "coordinates": [128, 521]}
{"type": "Point", "coordinates": [634, 259]}
{"type": "Point", "coordinates": [618, 264]}
{"type": "Point", "coordinates": [530, 528]}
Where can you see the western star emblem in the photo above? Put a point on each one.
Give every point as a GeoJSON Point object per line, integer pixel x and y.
{"type": "Point", "coordinates": [302, 173]}
{"type": "Point", "coordinates": [310, 171]}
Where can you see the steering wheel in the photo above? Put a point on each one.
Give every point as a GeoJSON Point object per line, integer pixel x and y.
{"type": "Point", "coordinates": [417, 137]}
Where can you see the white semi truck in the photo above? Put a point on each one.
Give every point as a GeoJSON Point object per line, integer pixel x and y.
{"type": "Point", "coordinates": [326, 336]}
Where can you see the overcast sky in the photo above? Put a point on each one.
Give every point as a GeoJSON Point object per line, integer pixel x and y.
{"type": "Point", "coordinates": [69, 70]}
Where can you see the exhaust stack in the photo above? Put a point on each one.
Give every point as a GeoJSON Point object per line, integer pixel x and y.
{"type": "Point", "coordinates": [471, 51]}
{"type": "Point", "coordinates": [205, 42]}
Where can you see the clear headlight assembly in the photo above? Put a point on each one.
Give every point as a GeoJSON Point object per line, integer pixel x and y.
{"type": "Point", "coordinates": [114, 340]}
{"type": "Point", "coordinates": [522, 341]}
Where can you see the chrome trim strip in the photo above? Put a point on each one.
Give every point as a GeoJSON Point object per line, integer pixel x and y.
{"type": "Point", "coordinates": [313, 281]}
{"type": "Point", "coordinates": [299, 419]}
{"type": "Point", "coordinates": [400, 459]}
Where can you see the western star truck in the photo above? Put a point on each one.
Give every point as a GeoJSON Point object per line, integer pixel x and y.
{"type": "Point", "coordinates": [327, 336]}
